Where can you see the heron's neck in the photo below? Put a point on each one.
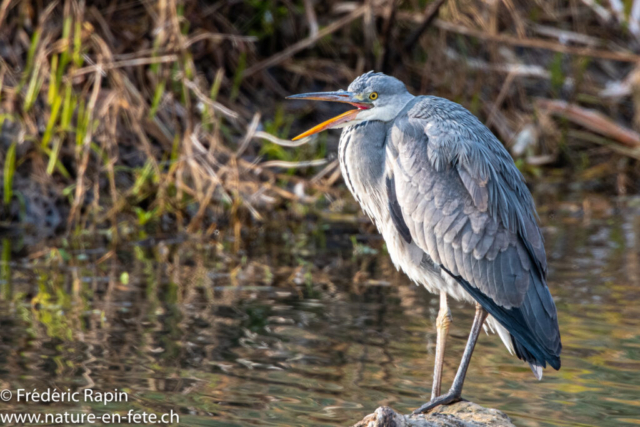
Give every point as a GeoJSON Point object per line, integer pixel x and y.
{"type": "Point", "coordinates": [362, 158]}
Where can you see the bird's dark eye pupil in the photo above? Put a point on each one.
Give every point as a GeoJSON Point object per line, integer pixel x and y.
{"type": "Point", "coordinates": [373, 95]}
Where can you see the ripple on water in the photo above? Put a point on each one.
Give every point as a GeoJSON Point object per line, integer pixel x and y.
{"type": "Point", "coordinates": [229, 349]}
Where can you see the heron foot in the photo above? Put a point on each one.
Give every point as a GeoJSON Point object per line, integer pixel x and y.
{"type": "Point", "coordinates": [445, 399]}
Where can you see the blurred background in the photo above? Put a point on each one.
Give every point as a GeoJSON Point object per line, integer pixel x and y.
{"type": "Point", "coordinates": [161, 233]}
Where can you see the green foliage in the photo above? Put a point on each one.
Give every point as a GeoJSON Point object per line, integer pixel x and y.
{"type": "Point", "coordinates": [157, 97]}
{"type": "Point", "coordinates": [280, 126]}
{"type": "Point", "coordinates": [35, 39]}
{"type": "Point", "coordinates": [475, 105]}
{"type": "Point", "coordinates": [8, 173]}
{"type": "Point", "coordinates": [132, 142]}
{"type": "Point", "coordinates": [557, 72]}
{"type": "Point", "coordinates": [5, 270]}
{"type": "Point", "coordinates": [144, 217]}
{"type": "Point", "coordinates": [237, 77]}
{"type": "Point", "coordinates": [124, 278]}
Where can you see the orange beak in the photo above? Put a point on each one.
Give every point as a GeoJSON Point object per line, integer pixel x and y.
{"type": "Point", "coordinates": [347, 116]}
{"type": "Point", "coordinates": [339, 96]}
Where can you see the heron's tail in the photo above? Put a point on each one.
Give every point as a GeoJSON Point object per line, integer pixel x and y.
{"type": "Point", "coordinates": [524, 354]}
{"type": "Point", "coordinates": [533, 325]}
{"type": "Point", "coordinates": [536, 335]}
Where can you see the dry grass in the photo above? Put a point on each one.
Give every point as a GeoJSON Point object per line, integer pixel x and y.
{"type": "Point", "coordinates": [163, 113]}
{"type": "Point", "coordinates": [110, 116]}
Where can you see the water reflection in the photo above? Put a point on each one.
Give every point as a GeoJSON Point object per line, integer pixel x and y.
{"type": "Point", "coordinates": [297, 330]}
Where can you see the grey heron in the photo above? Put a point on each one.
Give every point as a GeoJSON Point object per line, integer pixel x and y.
{"type": "Point", "coordinates": [455, 213]}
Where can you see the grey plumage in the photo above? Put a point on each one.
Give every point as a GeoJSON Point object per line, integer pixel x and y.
{"type": "Point", "coordinates": [479, 203]}
{"type": "Point", "coordinates": [454, 211]}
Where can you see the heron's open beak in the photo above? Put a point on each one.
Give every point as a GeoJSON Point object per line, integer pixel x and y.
{"type": "Point", "coordinates": [339, 96]}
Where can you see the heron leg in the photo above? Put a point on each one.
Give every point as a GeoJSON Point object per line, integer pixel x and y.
{"type": "Point", "coordinates": [443, 321]}
{"type": "Point", "coordinates": [454, 393]}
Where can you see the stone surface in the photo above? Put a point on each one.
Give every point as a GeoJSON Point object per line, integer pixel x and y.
{"type": "Point", "coordinates": [460, 414]}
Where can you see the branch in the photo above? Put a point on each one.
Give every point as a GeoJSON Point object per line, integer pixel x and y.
{"type": "Point", "coordinates": [305, 43]}
{"type": "Point", "coordinates": [592, 120]}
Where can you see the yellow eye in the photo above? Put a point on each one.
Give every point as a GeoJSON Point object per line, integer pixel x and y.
{"type": "Point", "coordinates": [373, 96]}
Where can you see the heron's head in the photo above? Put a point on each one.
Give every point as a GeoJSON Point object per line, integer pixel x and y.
{"type": "Point", "coordinates": [376, 96]}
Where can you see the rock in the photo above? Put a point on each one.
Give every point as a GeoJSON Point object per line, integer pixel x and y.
{"type": "Point", "coordinates": [460, 414]}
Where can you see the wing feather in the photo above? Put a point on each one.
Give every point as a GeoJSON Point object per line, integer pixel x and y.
{"type": "Point", "coordinates": [432, 245]}
{"type": "Point", "coordinates": [471, 238]}
{"type": "Point", "coordinates": [420, 211]}
{"type": "Point", "coordinates": [487, 240]}
{"type": "Point", "coordinates": [454, 231]}
{"type": "Point", "coordinates": [459, 256]}
{"type": "Point", "coordinates": [450, 257]}
{"type": "Point", "coordinates": [445, 222]}
{"type": "Point", "coordinates": [492, 283]}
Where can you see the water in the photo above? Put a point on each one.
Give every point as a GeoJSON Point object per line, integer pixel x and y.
{"type": "Point", "coordinates": [301, 329]}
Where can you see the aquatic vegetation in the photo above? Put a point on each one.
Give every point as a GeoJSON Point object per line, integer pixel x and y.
{"type": "Point", "coordinates": [171, 113]}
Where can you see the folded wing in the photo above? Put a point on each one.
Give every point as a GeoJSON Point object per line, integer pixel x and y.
{"type": "Point", "coordinates": [456, 193]}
